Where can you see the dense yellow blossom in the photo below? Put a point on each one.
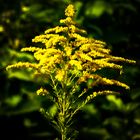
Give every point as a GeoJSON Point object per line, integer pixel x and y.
{"type": "Point", "coordinates": [68, 55]}
{"type": "Point", "coordinates": [60, 75]}
{"type": "Point", "coordinates": [68, 59]}
{"type": "Point", "coordinates": [76, 63]}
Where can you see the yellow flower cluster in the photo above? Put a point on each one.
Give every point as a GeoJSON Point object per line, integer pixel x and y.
{"type": "Point", "coordinates": [70, 11]}
{"type": "Point", "coordinates": [60, 75]}
{"type": "Point", "coordinates": [67, 52]}
{"type": "Point", "coordinates": [42, 91]}
{"type": "Point", "coordinates": [76, 63]}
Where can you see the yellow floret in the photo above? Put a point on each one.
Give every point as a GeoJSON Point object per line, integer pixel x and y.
{"type": "Point", "coordinates": [42, 91]}
{"type": "Point", "coordinates": [60, 75]}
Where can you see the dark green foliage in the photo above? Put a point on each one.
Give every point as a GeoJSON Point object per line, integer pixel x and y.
{"type": "Point", "coordinates": [106, 117]}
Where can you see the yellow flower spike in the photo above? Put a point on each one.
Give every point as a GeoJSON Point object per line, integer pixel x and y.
{"type": "Point", "coordinates": [40, 38]}
{"type": "Point", "coordinates": [84, 57]}
{"type": "Point", "coordinates": [54, 40]}
{"type": "Point", "coordinates": [22, 65]}
{"type": "Point", "coordinates": [114, 82]}
{"type": "Point", "coordinates": [94, 94]}
{"type": "Point", "coordinates": [102, 63]}
{"type": "Point", "coordinates": [31, 49]}
{"type": "Point", "coordinates": [95, 54]}
{"type": "Point", "coordinates": [70, 11]}
{"type": "Point", "coordinates": [57, 29]}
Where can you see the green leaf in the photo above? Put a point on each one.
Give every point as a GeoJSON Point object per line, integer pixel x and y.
{"type": "Point", "coordinates": [53, 110]}
{"type": "Point", "coordinates": [99, 132]}
{"type": "Point", "coordinates": [28, 123]}
{"type": "Point", "coordinates": [26, 107]}
{"type": "Point", "coordinates": [136, 137]}
{"type": "Point", "coordinates": [98, 8]}
{"type": "Point", "coordinates": [22, 75]}
{"type": "Point", "coordinates": [1, 28]}
{"type": "Point", "coordinates": [115, 122]}
{"type": "Point", "coordinates": [13, 101]}
{"type": "Point", "coordinates": [116, 101]}
{"type": "Point", "coordinates": [90, 108]}
{"type": "Point", "coordinates": [137, 120]}
{"type": "Point", "coordinates": [132, 106]}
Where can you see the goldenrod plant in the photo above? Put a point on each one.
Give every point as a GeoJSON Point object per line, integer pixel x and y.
{"type": "Point", "coordinates": [68, 60]}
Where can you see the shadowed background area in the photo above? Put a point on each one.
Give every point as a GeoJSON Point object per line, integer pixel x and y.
{"type": "Point", "coordinates": [112, 117]}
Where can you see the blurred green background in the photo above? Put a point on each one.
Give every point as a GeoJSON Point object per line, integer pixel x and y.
{"type": "Point", "coordinates": [106, 117]}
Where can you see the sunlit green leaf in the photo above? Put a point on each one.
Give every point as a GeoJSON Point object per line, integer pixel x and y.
{"type": "Point", "coordinates": [98, 8]}
{"type": "Point", "coordinates": [132, 106]}
{"type": "Point", "coordinates": [28, 123]}
{"type": "Point", "coordinates": [13, 101]}
{"type": "Point", "coordinates": [90, 108]}
{"type": "Point", "coordinates": [137, 120]}
{"type": "Point", "coordinates": [53, 110]}
{"type": "Point", "coordinates": [115, 122]}
{"type": "Point", "coordinates": [1, 28]}
{"type": "Point", "coordinates": [136, 137]}
{"type": "Point", "coordinates": [117, 101]}
{"type": "Point", "coordinates": [22, 75]}
{"type": "Point", "coordinates": [100, 132]}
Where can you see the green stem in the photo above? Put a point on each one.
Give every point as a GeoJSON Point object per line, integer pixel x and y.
{"type": "Point", "coordinates": [63, 135]}
{"type": "Point", "coordinates": [63, 119]}
{"type": "Point", "coordinates": [64, 110]}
